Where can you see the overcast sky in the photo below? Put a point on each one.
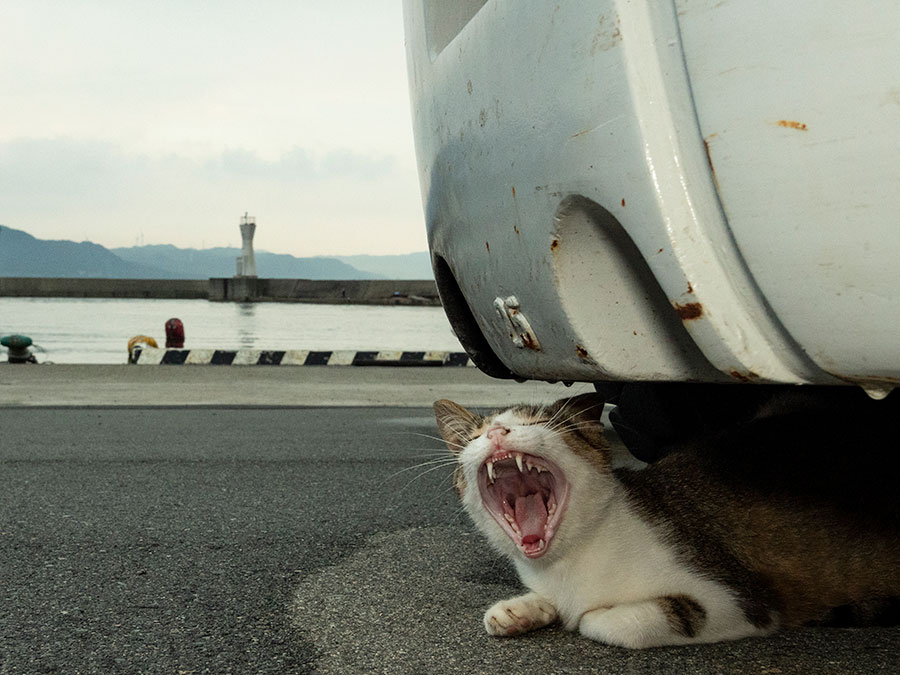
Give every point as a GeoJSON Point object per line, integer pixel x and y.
{"type": "Point", "coordinates": [163, 121]}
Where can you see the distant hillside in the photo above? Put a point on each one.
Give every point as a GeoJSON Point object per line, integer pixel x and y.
{"type": "Point", "coordinates": [22, 255]}
{"type": "Point", "coordinates": [191, 263]}
{"type": "Point", "coordinates": [407, 266]}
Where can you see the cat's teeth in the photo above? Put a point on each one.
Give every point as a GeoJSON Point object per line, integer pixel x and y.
{"type": "Point", "coordinates": [519, 462]}
{"type": "Point", "coordinates": [512, 523]}
{"type": "Point", "coordinates": [541, 545]}
{"type": "Point", "coordinates": [490, 470]}
{"type": "Point", "coordinates": [532, 467]}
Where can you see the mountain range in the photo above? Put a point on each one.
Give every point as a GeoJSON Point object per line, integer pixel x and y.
{"type": "Point", "coordinates": [22, 255]}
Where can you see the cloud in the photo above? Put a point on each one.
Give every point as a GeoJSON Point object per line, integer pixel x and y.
{"type": "Point", "coordinates": [300, 164]}
{"type": "Point", "coordinates": [170, 119]}
{"type": "Point", "coordinates": [335, 202]}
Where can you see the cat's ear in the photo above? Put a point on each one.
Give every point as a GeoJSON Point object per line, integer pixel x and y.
{"type": "Point", "coordinates": [582, 415]}
{"type": "Point", "coordinates": [456, 424]}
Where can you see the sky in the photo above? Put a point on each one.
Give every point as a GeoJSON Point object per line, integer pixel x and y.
{"type": "Point", "coordinates": [163, 122]}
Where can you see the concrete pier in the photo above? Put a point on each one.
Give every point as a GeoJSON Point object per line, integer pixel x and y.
{"type": "Point", "coordinates": [235, 289]}
{"type": "Point", "coordinates": [361, 292]}
{"type": "Point", "coordinates": [64, 287]}
{"type": "Point", "coordinates": [124, 385]}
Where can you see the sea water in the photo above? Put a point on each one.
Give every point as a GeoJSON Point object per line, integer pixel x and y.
{"type": "Point", "coordinates": [94, 330]}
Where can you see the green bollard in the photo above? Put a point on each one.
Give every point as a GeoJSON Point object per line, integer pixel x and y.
{"type": "Point", "coordinates": [18, 348]}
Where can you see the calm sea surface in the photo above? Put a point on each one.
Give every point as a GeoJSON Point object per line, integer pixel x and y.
{"type": "Point", "coordinates": [97, 330]}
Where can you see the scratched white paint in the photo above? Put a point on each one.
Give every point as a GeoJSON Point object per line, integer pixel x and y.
{"type": "Point", "coordinates": [544, 136]}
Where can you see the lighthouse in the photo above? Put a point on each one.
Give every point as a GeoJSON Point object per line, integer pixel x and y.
{"type": "Point", "coordinates": [246, 263]}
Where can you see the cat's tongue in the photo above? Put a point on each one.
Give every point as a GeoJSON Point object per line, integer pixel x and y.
{"type": "Point", "coordinates": [531, 517]}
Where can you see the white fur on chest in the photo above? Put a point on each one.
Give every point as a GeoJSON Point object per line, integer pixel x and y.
{"type": "Point", "coordinates": [625, 561]}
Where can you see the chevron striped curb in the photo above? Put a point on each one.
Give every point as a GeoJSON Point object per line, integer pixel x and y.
{"type": "Point", "coordinates": [296, 357]}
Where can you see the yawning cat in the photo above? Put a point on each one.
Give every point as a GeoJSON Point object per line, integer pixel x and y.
{"type": "Point", "coordinates": [730, 538]}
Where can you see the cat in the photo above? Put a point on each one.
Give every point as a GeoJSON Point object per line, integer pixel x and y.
{"type": "Point", "coordinates": [737, 535]}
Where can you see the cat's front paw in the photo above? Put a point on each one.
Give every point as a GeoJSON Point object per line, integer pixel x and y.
{"type": "Point", "coordinates": [519, 615]}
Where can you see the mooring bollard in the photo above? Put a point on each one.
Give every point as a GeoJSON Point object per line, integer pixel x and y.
{"type": "Point", "coordinates": [174, 334]}
{"type": "Point", "coordinates": [135, 345]}
{"type": "Point", "coordinates": [18, 346]}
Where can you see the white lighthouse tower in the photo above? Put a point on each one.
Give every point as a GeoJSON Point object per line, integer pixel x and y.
{"type": "Point", "coordinates": [246, 263]}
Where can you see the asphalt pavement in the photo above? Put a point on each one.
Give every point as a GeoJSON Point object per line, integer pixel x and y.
{"type": "Point", "coordinates": [226, 539]}
{"type": "Point", "coordinates": [199, 385]}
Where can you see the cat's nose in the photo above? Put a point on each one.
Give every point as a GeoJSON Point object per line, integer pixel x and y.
{"type": "Point", "coordinates": [496, 433]}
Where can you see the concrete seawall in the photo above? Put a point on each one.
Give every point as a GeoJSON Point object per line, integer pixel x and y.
{"type": "Point", "coordinates": [366, 292]}
{"type": "Point", "coordinates": [237, 289]}
{"type": "Point", "coordinates": [52, 287]}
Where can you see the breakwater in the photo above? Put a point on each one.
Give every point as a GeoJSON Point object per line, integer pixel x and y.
{"type": "Point", "coordinates": [236, 289]}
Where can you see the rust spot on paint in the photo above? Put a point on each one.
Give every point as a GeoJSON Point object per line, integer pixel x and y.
{"type": "Point", "coordinates": [747, 377]}
{"type": "Point", "coordinates": [790, 124]}
{"type": "Point", "coordinates": [554, 244]}
{"type": "Point", "coordinates": [514, 191]}
{"type": "Point", "coordinates": [712, 169]}
{"type": "Point", "coordinates": [689, 311]}
{"type": "Point", "coordinates": [515, 229]}
{"type": "Point", "coordinates": [487, 245]}
{"type": "Point", "coordinates": [623, 201]}
{"type": "Point", "coordinates": [659, 251]}
{"type": "Point", "coordinates": [582, 354]}
{"type": "Point", "coordinates": [530, 342]}
{"type": "Point", "coordinates": [708, 156]}
{"type": "Point", "coordinates": [690, 288]}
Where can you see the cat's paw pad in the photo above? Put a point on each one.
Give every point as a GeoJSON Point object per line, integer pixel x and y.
{"type": "Point", "coordinates": [519, 615]}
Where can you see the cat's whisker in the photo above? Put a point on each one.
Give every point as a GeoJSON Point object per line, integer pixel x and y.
{"type": "Point", "coordinates": [458, 514]}
{"type": "Point", "coordinates": [572, 423]}
{"type": "Point", "coordinates": [438, 438]}
{"type": "Point", "coordinates": [564, 408]}
{"type": "Point", "coordinates": [459, 429]}
{"type": "Point", "coordinates": [556, 414]}
{"type": "Point", "coordinates": [424, 473]}
{"type": "Point", "coordinates": [442, 453]}
{"type": "Point", "coordinates": [554, 426]}
{"type": "Point", "coordinates": [434, 463]}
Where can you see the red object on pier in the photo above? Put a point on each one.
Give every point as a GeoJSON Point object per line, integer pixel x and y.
{"type": "Point", "coordinates": [174, 333]}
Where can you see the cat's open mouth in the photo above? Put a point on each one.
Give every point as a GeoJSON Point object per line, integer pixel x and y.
{"type": "Point", "coordinates": [526, 495]}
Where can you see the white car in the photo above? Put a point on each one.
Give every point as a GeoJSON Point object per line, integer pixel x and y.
{"type": "Point", "coordinates": [664, 190]}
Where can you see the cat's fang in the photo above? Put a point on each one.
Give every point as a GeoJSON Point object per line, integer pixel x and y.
{"type": "Point", "coordinates": [531, 466]}
{"type": "Point", "coordinates": [490, 471]}
{"type": "Point", "coordinates": [519, 462]}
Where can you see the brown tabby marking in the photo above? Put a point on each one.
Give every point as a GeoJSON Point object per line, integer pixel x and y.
{"type": "Point", "coordinates": [685, 615]}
